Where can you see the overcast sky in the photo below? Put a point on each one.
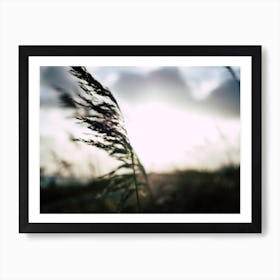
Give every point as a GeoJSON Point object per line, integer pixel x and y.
{"type": "Point", "coordinates": [140, 83]}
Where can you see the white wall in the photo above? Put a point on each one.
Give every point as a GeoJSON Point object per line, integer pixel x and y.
{"type": "Point", "coordinates": [139, 256]}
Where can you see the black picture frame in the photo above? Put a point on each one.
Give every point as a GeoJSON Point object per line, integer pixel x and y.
{"type": "Point", "coordinates": [25, 52]}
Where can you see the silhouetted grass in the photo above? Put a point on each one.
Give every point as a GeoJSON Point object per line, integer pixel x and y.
{"type": "Point", "coordinates": [97, 110]}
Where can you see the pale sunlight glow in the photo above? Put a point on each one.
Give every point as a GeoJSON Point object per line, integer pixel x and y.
{"type": "Point", "coordinates": [168, 138]}
{"type": "Point", "coordinates": [165, 138]}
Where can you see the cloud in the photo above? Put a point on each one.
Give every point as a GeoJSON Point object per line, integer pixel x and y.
{"type": "Point", "coordinates": [164, 84]}
{"type": "Point", "coordinates": [206, 89]}
{"type": "Point", "coordinates": [52, 77]}
{"type": "Point", "coordinates": [224, 100]}
{"type": "Point", "coordinates": [204, 79]}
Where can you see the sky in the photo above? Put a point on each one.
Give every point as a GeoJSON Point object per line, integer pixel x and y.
{"type": "Point", "coordinates": [177, 118]}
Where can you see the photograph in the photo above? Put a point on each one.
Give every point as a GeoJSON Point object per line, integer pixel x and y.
{"type": "Point", "coordinates": [148, 139]}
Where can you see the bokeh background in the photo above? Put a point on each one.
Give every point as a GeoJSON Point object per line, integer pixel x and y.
{"type": "Point", "coordinates": [183, 122]}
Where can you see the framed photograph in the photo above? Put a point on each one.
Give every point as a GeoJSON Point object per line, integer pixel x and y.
{"type": "Point", "coordinates": [140, 139]}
